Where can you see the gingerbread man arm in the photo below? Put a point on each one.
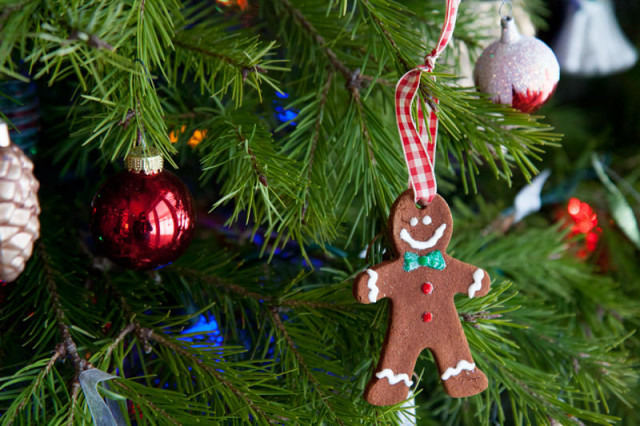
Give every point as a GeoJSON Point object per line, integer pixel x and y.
{"type": "Point", "coordinates": [468, 279]}
{"type": "Point", "coordinates": [369, 285]}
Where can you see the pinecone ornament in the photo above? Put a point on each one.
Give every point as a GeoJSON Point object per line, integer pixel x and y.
{"type": "Point", "coordinates": [19, 208]}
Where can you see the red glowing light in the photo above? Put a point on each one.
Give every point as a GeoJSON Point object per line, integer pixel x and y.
{"type": "Point", "coordinates": [585, 221]}
{"type": "Point", "coordinates": [574, 206]}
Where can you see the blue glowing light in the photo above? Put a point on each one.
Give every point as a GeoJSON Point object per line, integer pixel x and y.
{"type": "Point", "coordinates": [285, 115]}
{"type": "Point", "coordinates": [206, 330]}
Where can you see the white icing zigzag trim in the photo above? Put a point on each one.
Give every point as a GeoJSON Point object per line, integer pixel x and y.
{"type": "Point", "coordinates": [371, 284]}
{"type": "Point", "coordinates": [421, 245]}
{"type": "Point", "coordinates": [462, 365]}
{"type": "Point", "coordinates": [394, 379]}
{"type": "Point", "coordinates": [478, 275]}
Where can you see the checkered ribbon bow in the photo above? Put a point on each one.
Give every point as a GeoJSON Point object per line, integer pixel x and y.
{"type": "Point", "coordinates": [419, 143]}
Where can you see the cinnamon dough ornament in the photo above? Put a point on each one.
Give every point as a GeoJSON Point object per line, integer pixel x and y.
{"type": "Point", "coordinates": [421, 281]}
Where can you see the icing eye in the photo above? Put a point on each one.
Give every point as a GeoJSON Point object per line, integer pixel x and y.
{"type": "Point", "coordinates": [413, 221]}
{"type": "Point", "coordinates": [426, 220]}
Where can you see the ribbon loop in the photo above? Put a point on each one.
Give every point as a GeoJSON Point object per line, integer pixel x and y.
{"type": "Point", "coordinates": [419, 141]}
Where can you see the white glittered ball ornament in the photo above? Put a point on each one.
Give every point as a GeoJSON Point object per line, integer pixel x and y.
{"type": "Point", "coordinates": [516, 70]}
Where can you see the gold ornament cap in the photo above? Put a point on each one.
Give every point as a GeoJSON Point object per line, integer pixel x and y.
{"type": "Point", "coordinates": [143, 160]}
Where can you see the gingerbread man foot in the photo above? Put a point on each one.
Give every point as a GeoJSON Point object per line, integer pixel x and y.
{"type": "Point", "coordinates": [464, 380]}
{"type": "Point", "coordinates": [387, 388]}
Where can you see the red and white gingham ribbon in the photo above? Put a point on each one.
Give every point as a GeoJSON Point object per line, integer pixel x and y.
{"type": "Point", "coordinates": [419, 146]}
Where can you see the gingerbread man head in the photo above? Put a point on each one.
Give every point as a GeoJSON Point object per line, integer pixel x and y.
{"type": "Point", "coordinates": [416, 228]}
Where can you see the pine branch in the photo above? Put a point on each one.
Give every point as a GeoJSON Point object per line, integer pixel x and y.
{"type": "Point", "coordinates": [329, 53]}
{"type": "Point", "coordinates": [178, 349]}
{"type": "Point", "coordinates": [314, 141]}
{"type": "Point", "coordinates": [70, 347]}
{"type": "Point", "coordinates": [60, 352]}
{"type": "Point", "coordinates": [155, 409]}
{"type": "Point", "coordinates": [75, 391]}
{"type": "Point", "coordinates": [270, 301]}
{"type": "Point", "coordinates": [275, 316]}
{"type": "Point", "coordinates": [380, 26]}
{"type": "Point", "coordinates": [244, 67]}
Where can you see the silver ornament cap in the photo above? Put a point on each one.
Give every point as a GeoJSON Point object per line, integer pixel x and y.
{"type": "Point", "coordinates": [519, 71]}
{"type": "Point", "coordinates": [19, 208]}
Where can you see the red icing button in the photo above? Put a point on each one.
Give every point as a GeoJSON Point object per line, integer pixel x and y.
{"type": "Point", "coordinates": [427, 288]}
{"type": "Point", "coordinates": [427, 317]}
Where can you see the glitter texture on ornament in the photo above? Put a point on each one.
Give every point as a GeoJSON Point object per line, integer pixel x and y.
{"type": "Point", "coordinates": [519, 71]}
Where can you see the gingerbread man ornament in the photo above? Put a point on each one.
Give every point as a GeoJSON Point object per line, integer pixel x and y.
{"type": "Point", "coordinates": [421, 281]}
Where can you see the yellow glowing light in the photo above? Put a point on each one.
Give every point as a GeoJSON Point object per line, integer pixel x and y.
{"type": "Point", "coordinates": [197, 136]}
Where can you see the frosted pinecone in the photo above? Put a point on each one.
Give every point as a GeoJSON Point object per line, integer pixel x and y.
{"type": "Point", "coordinates": [19, 208]}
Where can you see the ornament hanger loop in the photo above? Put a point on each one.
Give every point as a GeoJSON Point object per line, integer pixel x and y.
{"type": "Point", "coordinates": [140, 139]}
{"type": "Point", "coordinates": [509, 5]}
{"type": "Point", "coordinates": [430, 60]}
{"type": "Point", "coordinates": [418, 132]}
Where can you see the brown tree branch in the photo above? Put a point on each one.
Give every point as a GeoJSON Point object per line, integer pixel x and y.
{"type": "Point", "coordinates": [391, 41]}
{"type": "Point", "coordinates": [473, 318]}
{"type": "Point", "coordinates": [245, 69]}
{"type": "Point", "coordinates": [75, 391]}
{"type": "Point", "coordinates": [354, 78]}
{"type": "Point", "coordinates": [71, 350]}
{"type": "Point", "coordinates": [336, 63]}
{"type": "Point", "coordinates": [91, 40]}
{"type": "Point", "coordinates": [125, 331]}
{"type": "Point", "coordinates": [60, 352]}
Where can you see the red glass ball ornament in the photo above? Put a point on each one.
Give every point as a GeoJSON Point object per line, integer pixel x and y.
{"type": "Point", "coordinates": [143, 218]}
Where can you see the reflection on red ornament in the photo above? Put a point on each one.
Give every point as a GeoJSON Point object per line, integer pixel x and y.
{"type": "Point", "coordinates": [585, 221]}
{"type": "Point", "coordinates": [143, 221]}
{"type": "Point", "coordinates": [242, 4]}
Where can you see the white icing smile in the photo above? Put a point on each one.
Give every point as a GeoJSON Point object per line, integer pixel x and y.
{"type": "Point", "coordinates": [421, 245]}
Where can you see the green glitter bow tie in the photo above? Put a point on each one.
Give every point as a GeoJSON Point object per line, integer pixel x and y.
{"type": "Point", "coordinates": [433, 260]}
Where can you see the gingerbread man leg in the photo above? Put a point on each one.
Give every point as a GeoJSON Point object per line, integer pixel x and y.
{"type": "Point", "coordinates": [458, 372]}
{"type": "Point", "coordinates": [392, 380]}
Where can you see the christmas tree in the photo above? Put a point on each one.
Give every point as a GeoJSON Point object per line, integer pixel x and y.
{"type": "Point", "coordinates": [279, 118]}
